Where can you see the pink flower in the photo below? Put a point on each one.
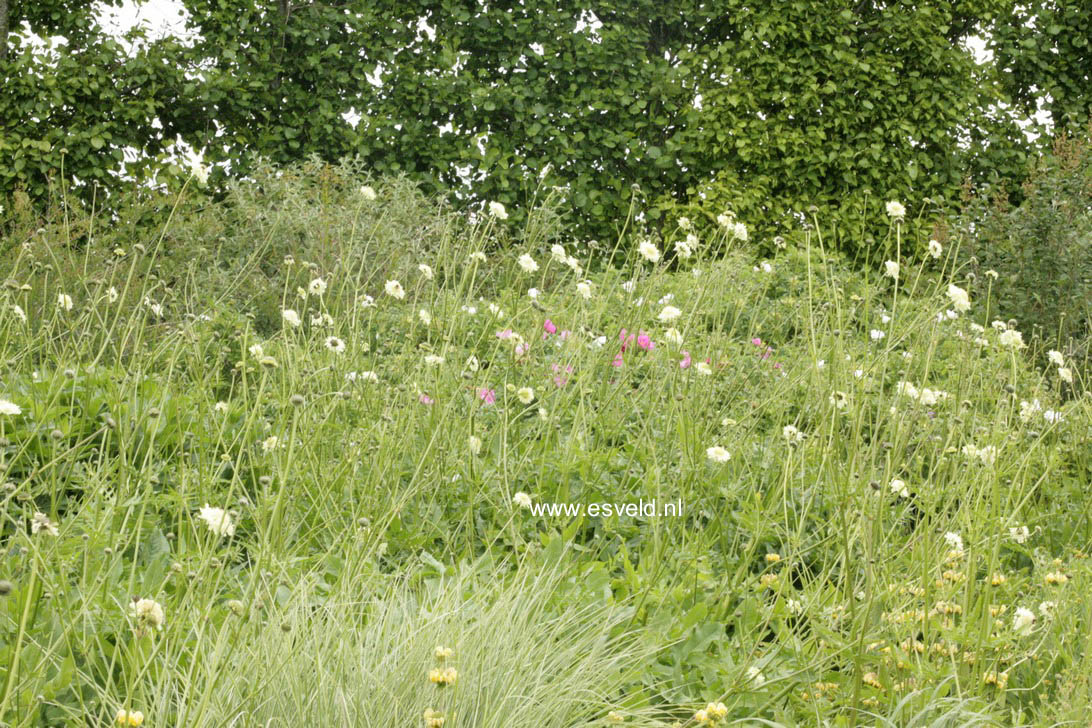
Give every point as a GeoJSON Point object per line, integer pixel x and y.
{"type": "Point", "coordinates": [685, 363]}
{"type": "Point", "coordinates": [487, 396]}
{"type": "Point", "coordinates": [766, 354]}
{"type": "Point", "coordinates": [645, 342]}
{"type": "Point", "coordinates": [425, 399]}
{"type": "Point", "coordinates": [522, 349]}
{"type": "Point", "coordinates": [626, 341]}
{"type": "Point", "coordinates": [560, 382]}
{"type": "Point", "coordinates": [506, 334]}
{"type": "Point", "coordinates": [777, 365]}
{"type": "Point", "coordinates": [549, 327]}
{"type": "Point", "coordinates": [617, 360]}
{"type": "Point", "coordinates": [756, 341]}
{"type": "Point", "coordinates": [565, 334]}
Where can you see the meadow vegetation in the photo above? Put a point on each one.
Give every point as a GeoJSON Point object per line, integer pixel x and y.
{"type": "Point", "coordinates": [279, 458]}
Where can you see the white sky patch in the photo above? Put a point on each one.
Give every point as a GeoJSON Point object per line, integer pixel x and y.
{"type": "Point", "coordinates": [162, 18]}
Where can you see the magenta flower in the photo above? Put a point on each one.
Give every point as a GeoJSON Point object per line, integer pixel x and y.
{"type": "Point", "coordinates": [685, 363]}
{"type": "Point", "coordinates": [487, 396]}
{"type": "Point", "coordinates": [549, 327]}
{"type": "Point", "coordinates": [506, 334]}
{"type": "Point", "coordinates": [756, 341]}
{"type": "Point", "coordinates": [425, 399]}
{"type": "Point", "coordinates": [645, 342]}
{"type": "Point", "coordinates": [618, 361]}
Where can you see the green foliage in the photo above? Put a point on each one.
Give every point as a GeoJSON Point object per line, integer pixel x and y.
{"type": "Point", "coordinates": [800, 584]}
{"type": "Point", "coordinates": [70, 110]}
{"type": "Point", "coordinates": [837, 106]}
{"type": "Point", "coordinates": [1044, 58]}
{"type": "Point", "coordinates": [1041, 249]}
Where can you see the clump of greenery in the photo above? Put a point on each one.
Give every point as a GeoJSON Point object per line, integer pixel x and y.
{"type": "Point", "coordinates": [272, 500]}
{"type": "Point", "coordinates": [1033, 261]}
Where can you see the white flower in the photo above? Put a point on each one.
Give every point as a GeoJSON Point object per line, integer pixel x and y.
{"type": "Point", "coordinates": [425, 317]}
{"type": "Point", "coordinates": [476, 257]}
{"type": "Point", "coordinates": [291, 317]}
{"type": "Point", "coordinates": [111, 295]}
{"type": "Point", "coordinates": [703, 368]}
{"type": "Point", "coordinates": [1011, 338]}
{"type": "Point", "coordinates": [217, 519]}
{"type": "Point", "coordinates": [669, 314]}
{"type": "Point", "coordinates": [532, 293]}
{"type": "Point", "coordinates": [367, 193]}
{"type": "Point", "coordinates": [793, 435]}
{"type": "Point", "coordinates": [40, 522]}
{"type": "Point", "coordinates": [959, 298]}
{"type": "Point", "coordinates": [527, 263]}
{"type": "Point", "coordinates": [335, 344]}
{"type": "Point", "coordinates": [891, 269]}
{"type": "Point", "coordinates": [1056, 358]}
{"type": "Point", "coordinates": [876, 334]}
{"type": "Point", "coordinates": [526, 395]}
{"type": "Point", "coordinates": [367, 301]}
{"type": "Point", "coordinates": [522, 500]}
{"type": "Point", "coordinates": [270, 443]}
{"type": "Point", "coordinates": [599, 342]}
{"type": "Point", "coordinates": [717, 454]}
{"type": "Point", "coordinates": [684, 223]}
{"type": "Point", "coordinates": [474, 444]}
{"type": "Point", "coordinates": [1019, 534]}
{"type": "Point", "coordinates": [9, 408]}
{"type": "Point", "coordinates": [629, 286]}
{"type": "Point", "coordinates": [497, 210]}
{"type": "Point", "coordinates": [935, 248]}
{"type": "Point", "coordinates": [1065, 374]}
{"type": "Point", "coordinates": [20, 313]}
{"type": "Point", "coordinates": [755, 675]}
{"type": "Point", "coordinates": [220, 407]}
{"type": "Point", "coordinates": [683, 250]}
{"type": "Point", "coordinates": [899, 488]}
{"type": "Point", "coordinates": [724, 219]}
{"type": "Point", "coordinates": [766, 267]}
{"type": "Point", "coordinates": [896, 210]}
{"type": "Point", "coordinates": [433, 360]}
{"type": "Point", "coordinates": [1053, 416]}
{"type": "Point", "coordinates": [1047, 608]}
{"type": "Point", "coordinates": [1029, 409]}
{"type": "Point", "coordinates": [148, 613]}
{"type": "Point", "coordinates": [574, 264]}
{"type": "Point", "coordinates": [64, 301]}
{"type": "Point", "coordinates": [364, 376]}
{"type": "Point", "coordinates": [954, 540]}
{"type": "Point", "coordinates": [557, 252]}
{"type": "Point", "coordinates": [394, 289]}
{"type": "Point", "coordinates": [426, 271]}
{"type": "Point", "coordinates": [197, 167]}
{"type": "Point", "coordinates": [256, 351]}
{"type": "Point", "coordinates": [1023, 621]}
{"type": "Point", "coordinates": [648, 251]}
{"type": "Point", "coordinates": [999, 326]}
{"type": "Point", "coordinates": [322, 320]}
{"type": "Point", "coordinates": [317, 287]}
{"type": "Point", "coordinates": [673, 336]}
{"type": "Point", "coordinates": [584, 289]}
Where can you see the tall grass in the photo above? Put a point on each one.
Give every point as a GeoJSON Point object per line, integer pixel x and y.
{"type": "Point", "coordinates": [317, 507]}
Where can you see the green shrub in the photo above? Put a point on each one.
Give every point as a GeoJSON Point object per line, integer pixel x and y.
{"type": "Point", "coordinates": [1040, 250]}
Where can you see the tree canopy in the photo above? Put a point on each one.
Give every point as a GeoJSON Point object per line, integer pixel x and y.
{"type": "Point", "coordinates": [767, 108]}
